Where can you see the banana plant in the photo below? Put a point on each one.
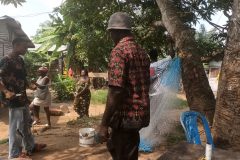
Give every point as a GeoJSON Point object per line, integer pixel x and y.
{"type": "Point", "coordinates": [14, 2]}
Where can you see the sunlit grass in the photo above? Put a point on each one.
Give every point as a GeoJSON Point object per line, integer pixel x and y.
{"type": "Point", "coordinates": [99, 96]}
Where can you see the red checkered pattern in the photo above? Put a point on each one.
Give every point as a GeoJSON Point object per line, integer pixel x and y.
{"type": "Point", "coordinates": [129, 69]}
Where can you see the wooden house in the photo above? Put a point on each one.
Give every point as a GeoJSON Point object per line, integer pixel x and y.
{"type": "Point", "coordinates": [213, 69]}
{"type": "Point", "coordinates": [10, 29]}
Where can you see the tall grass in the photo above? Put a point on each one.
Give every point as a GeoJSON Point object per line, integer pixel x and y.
{"type": "Point", "coordinates": [99, 96]}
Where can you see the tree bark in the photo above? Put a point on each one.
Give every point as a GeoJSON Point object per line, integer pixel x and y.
{"type": "Point", "coordinates": [227, 116]}
{"type": "Point", "coordinates": [198, 92]}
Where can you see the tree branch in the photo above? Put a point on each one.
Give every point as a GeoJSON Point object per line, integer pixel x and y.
{"type": "Point", "coordinates": [218, 27]}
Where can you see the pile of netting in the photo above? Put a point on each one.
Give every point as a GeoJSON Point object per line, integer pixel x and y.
{"type": "Point", "coordinates": [165, 83]}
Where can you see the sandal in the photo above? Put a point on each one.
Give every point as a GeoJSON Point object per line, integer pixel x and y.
{"type": "Point", "coordinates": [38, 147]}
{"type": "Point", "coordinates": [46, 127]}
{"type": "Point", "coordinates": [23, 156]}
{"type": "Point", "coordinates": [36, 122]}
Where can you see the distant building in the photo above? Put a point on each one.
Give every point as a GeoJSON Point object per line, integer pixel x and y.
{"type": "Point", "coordinates": [57, 65]}
{"type": "Point", "coordinates": [10, 29]}
{"type": "Point", "coordinates": [212, 70]}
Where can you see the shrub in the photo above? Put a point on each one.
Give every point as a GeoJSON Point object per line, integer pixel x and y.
{"type": "Point", "coordinates": [64, 87]}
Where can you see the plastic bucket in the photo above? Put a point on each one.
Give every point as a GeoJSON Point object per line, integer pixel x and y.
{"type": "Point", "coordinates": [86, 137]}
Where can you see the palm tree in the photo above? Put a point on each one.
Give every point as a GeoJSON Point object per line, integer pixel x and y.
{"type": "Point", "coordinates": [14, 2]}
{"type": "Point", "coordinates": [227, 116]}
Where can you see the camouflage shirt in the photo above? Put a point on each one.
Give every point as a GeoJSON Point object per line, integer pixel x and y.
{"type": "Point", "coordinates": [13, 76]}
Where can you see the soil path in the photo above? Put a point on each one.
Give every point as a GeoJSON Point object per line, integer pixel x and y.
{"type": "Point", "coordinates": [63, 141]}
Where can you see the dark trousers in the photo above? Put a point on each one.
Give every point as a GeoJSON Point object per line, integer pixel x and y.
{"type": "Point", "coordinates": [123, 145]}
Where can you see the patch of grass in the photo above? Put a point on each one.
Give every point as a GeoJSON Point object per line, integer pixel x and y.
{"type": "Point", "coordinates": [180, 104]}
{"type": "Point", "coordinates": [99, 96]}
{"type": "Point", "coordinates": [3, 141]}
{"type": "Point", "coordinates": [85, 122]}
{"type": "Point", "coordinates": [176, 136]}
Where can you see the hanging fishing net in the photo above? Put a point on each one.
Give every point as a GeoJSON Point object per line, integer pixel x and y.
{"type": "Point", "coordinates": [165, 80]}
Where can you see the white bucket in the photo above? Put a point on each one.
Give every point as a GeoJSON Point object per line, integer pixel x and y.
{"type": "Point", "coordinates": [86, 137]}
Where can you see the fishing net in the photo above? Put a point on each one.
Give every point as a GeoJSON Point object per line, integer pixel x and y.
{"type": "Point", "coordinates": [165, 80]}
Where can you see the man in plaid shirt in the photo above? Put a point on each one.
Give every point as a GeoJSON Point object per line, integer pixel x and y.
{"type": "Point", "coordinates": [128, 107]}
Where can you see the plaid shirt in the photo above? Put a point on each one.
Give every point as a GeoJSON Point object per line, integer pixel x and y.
{"type": "Point", "coordinates": [129, 69]}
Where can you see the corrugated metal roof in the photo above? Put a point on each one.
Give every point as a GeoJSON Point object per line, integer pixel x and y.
{"type": "Point", "coordinates": [60, 49]}
{"type": "Point", "coordinates": [215, 64]}
{"type": "Point", "coordinates": [15, 26]}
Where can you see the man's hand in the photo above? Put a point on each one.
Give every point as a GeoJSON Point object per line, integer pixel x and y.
{"type": "Point", "coordinates": [75, 94]}
{"type": "Point", "coordinates": [33, 80]}
{"type": "Point", "coordinates": [2, 87]}
{"type": "Point", "coordinates": [8, 94]}
{"type": "Point", "coordinates": [102, 134]}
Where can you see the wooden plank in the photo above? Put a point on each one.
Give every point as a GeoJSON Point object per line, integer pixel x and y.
{"type": "Point", "coordinates": [102, 74]}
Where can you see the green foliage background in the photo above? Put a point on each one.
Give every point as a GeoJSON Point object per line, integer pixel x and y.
{"type": "Point", "coordinates": [81, 25]}
{"type": "Point", "coordinates": [64, 87]}
{"type": "Point", "coordinates": [33, 61]}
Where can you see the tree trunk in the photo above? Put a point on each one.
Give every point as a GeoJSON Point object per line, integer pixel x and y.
{"type": "Point", "coordinates": [227, 115]}
{"type": "Point", "coordinates": [198, 92]}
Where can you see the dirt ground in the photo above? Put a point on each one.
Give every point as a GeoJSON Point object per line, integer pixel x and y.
{"type": "Point", "coordinates": [63, 140]}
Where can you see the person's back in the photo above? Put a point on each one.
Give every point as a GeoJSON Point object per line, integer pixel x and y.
{"type": "Point", "coordinates": [136, 82]}
{"type": "Point", "coordinates": [127, 108]}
